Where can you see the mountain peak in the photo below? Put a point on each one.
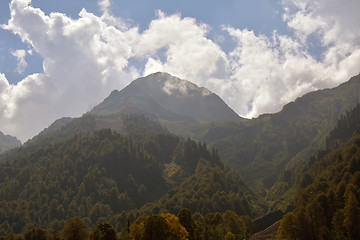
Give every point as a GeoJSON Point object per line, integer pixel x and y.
{"type": "Point", "coordinates": [169, 98]}
{"type": "Point", "coordinates": [173, 85]}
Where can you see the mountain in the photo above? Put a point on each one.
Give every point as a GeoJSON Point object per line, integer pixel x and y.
{"type": "Point", "coordinates": [177, 104]}
{"type": "Point", "coordinates": [261, 148]}
{"type": "Point", "coordinates": [8, 142]}
{"type": "Point", "coordinates": [296, 176]}
{"type": "Point", "coordinates": [122, 160]}
{"type": "Point", "coordinates": [167, 98]}
{"type": "Point", "coordinates": [327, 198]}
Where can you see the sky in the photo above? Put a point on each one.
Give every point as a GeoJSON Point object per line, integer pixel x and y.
{"type": "Point", "coordinates": [61, 58]}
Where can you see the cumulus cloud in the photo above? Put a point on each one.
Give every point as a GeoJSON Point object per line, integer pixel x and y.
{"type": "Point", "coordinates": [334, 24]}
{"type": "Point", "coordinates": [189, 54]}
{"type": "Point", "coordinates": [269, 71]}
{"type": "Point", "coordinates": [20, 55]}
{"type": "Point", "coordinates": [333, 21]}
{"type": "Point", "coordinates": [104, 5]}
{"type": "Point", "coordinates": [84, 59]}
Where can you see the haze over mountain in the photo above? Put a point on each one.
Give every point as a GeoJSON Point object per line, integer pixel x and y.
{"type": "Point", "coordinates": [8, 142]}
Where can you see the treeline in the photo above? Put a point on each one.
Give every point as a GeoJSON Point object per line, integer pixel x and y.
{"type": "Point", "coordinates": [328, 197]}
{"type": "Point", "coordinates": [164, 226]}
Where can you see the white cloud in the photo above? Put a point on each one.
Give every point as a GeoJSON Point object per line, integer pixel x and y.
{"type": "Point", "coordinates": [20, 55]}
{"type": "Point", "coordinates": [188, 52]}
{"type": "Point", "coordinates": [334, 24]}
{"type": "Point", "coordinates": [104, 5]}
{"type": "Point", "coordinates": [263, 72]}
{"type": "Point", "coordinates": [334, 21]}
{"type": "Point", "coordinates": [268, 72]}
{"type": "Point", "coordinates": [84, 59]}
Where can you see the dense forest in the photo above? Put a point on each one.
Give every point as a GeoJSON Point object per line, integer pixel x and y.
{"type": "Point", "coordinates": [328, 190]}
{"type": "Point", "coordinates": [107, 177]}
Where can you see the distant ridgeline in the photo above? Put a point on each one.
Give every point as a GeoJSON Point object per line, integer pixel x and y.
{"type": "Point", "coordinates": [8, 142]}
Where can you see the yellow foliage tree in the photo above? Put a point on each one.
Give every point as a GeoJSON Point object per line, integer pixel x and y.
{"type": "Point", "coordinates": [162, 226]}
{"type": "Point", "coordinates": [175, 226]}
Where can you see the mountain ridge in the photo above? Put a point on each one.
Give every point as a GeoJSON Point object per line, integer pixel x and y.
{"type": "Point", "coordinates": [262, 147]}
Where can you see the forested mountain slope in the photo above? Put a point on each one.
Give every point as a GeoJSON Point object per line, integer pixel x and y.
{"type": "Point", "coordinates": [282, 193]}
{"type": "Point", "coordinates": [112, 163]}
{"type": "Point", "coordinates": [260, 149]}
{"type": "Point", "coordinates": [103, 176]}
{"type": "Point", "coordinates": [327, 199]}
